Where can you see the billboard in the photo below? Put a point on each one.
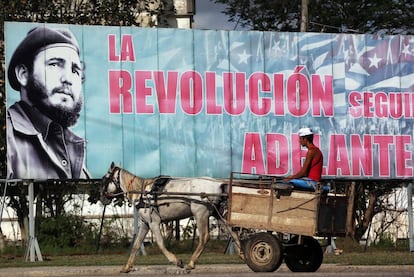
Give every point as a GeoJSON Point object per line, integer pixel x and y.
{"type": "Point", "coordinates": [206, 102]}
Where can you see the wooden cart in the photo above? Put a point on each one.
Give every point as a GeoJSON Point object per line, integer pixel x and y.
{"type": "Point", "coordinates": [281, 222]}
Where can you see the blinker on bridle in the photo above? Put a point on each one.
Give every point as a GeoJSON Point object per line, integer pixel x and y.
{"type": "Point", "coordinates": [115, 181]}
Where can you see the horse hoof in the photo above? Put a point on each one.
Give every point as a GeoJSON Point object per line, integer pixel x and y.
{"type": "Point", "coordinates": [180, 263]}
{"type": "Point", "coordinates": [125, 270]}
{"type": "Point", "coordinates": [188, 268]}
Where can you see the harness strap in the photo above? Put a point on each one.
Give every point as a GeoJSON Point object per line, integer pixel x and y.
{"type": "Point", "coordinates": [131, 181]}
{"type": "Point", "coordinates": [118, 183]}
{"type": "Point", "coordinates": [141, 197]}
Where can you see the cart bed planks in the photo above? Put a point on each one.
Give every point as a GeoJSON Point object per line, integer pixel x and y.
{"type": "Point", "coordinates": [258, 204]}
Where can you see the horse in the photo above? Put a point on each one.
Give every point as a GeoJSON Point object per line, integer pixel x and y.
{"type": "Point", "coordinates": [163, 199]}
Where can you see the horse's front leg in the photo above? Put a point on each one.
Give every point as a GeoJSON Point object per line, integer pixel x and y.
{"type": "Point", "coordinates": [156, 231]}
{"type": "Point", "coordinates": [142, 232]}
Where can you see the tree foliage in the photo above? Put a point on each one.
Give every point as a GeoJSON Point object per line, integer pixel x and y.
{"type": "Point", "coordinates": [92, 12]}
{"type": "Point", "coordinates": [370, 201]}
{"type": "Point", "coordinates": [334, 16]}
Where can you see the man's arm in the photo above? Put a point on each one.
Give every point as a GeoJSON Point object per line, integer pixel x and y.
{"type": "Point", "coordinates": [303, 172]}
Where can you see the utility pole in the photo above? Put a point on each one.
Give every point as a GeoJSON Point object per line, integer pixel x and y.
{"type": "Point", "coordinates": [304, 16]}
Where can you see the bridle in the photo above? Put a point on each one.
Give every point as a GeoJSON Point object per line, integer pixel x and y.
{"type": "Point", "coordinates": [114, 177]}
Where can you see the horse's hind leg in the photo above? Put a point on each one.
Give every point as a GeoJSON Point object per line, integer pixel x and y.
{"type": "Point", "coordinates": [142, 232]}
{"type": "Point", "coordinates": [202, 220]}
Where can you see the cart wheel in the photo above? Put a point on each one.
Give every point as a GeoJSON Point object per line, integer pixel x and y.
{"type": "Point", "coordinates": [263, 252]}
{"type": "Point", "coordinates": [305, 257]}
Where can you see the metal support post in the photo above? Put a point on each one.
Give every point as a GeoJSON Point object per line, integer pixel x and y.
{"type": "Point", "coordinates": [410, 215]}
{"type": "Point", "coordinates": [3, 200]}
{"type": "Point", "coordinates": [33, 246]}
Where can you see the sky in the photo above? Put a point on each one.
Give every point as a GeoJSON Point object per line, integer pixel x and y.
{"type": "Point", "coordinates": [209, 16]}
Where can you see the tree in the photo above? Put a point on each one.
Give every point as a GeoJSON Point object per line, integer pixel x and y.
{"type": "Point", "coordinates": [367, 199]}
{"type": "Point", "coordinates": [92, 12]}
{"type": "Point", "coordinates": [304, 16]}
{"type": "Point", "coordinates": [388, 220]}
{"type": "Point", "coordinates": [365, 16]}
{"type": "Point", "coordinates": [372, 199]}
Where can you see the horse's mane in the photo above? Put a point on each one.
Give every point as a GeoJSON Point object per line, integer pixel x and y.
{"type": "Point", "coordinates": [133, 182]}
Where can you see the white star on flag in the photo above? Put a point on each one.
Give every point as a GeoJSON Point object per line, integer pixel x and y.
{"type": "Point", "coordinates": [244, 57]}
{"type": "Point", "coordinates": [374, 61]}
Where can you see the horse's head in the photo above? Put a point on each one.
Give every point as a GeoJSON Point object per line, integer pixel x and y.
{"type": "Point", "coordinates": [111, 186]}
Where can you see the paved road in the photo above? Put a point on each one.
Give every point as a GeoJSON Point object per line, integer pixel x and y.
{"type": "Point", "coordinates": [239, 270]}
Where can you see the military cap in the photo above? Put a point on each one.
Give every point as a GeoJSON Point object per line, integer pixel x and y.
{"type": "Point", "coordinates": [38, 39]}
